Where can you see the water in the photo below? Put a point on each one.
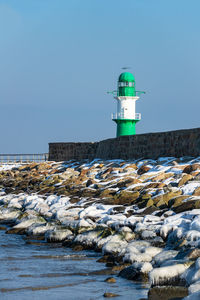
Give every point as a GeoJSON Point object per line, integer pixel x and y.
{"type": "Point", "coordinates": [37, 270]}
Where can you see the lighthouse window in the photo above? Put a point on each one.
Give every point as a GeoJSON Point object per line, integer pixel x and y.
{"type": "Point", "coordinates": [123, 84]}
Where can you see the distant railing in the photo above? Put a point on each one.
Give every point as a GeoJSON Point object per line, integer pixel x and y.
{"type": "Point", "coordinates": [116, 116]}
{"type": "Point", "coordinates": [23, 158]}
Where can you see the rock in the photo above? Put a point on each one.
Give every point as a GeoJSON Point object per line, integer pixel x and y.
{"type": "Point", "coordinates": [167, 293]}
{"type": "Point", "coordinates": [168, 275]}
{"type": "Point", "coordinates": [143, 169]}
{"type": "Point", "coordinates": [89, 182]}
{"type": "Point", "coordinates": [185, 179]}
{"type": "Point", "coordinates": [57, 235]}
{"type": "Point", "coordinates": [78, 248]}
{"type": "Point", "coordinates": [149, 210]}
{"type": "Point", "coordinates": [107, 193]}
{"type": "Point", "coordinates": [126, 182]}
{"type": "Point", "coordinates": [126, 197]}
{"type": "Point", "coordinates": [196, 192]}
{"type": "Point", "coordinates": [137, 271]}
{"type": "Point", "coordinates": [162, 176]}
{"type": "Point", "coordinates": [164, 198]}
{"type": "Point", "coordinates": [110, 280]}
{"type": "Point", "coordinates": [130, 167]}
{"type": "Point", "coordinates": [106, 259]}
{"type": "Point", "coordinates": [176, 201]}
{"type": "Point", "coordinates": [193, 254]}
{"type": "Point", "coordinates": [120, 267]}
{"type": "Point", "coordinates": [190, 168]}
{"type": "Point", "coordinates": [109, 295]}
{"type": "Point", "coordinates": [189, 205]}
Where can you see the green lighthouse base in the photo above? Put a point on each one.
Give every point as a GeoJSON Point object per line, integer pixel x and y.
{"type": "Point", "coordinates": [125, 126]}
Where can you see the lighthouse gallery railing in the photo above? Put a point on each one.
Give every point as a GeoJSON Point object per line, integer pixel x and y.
{"type": "Point", "coordinates": [116, 116]}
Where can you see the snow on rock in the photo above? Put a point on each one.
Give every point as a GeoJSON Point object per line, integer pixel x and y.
{"type": "Point", "coordinates": [89, 238]}
{"type": "Point", "coordinates": [114, 245]}
{"type": "Point", "coordinates": [57, 234]}
{"type": "Point", "coordinates": [189, 188]}
{"type": "Point", "coordinates": [195, 287]}
{"type": "Point", "coordinates": [194, 296]}
{"type": "Point", "coordinates": [164, 255]}
{"type": "Point", "coordinates": [167, 275]}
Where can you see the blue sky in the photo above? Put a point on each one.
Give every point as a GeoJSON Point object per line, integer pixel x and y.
{"type": "Point", "coordinates": [60, 57]}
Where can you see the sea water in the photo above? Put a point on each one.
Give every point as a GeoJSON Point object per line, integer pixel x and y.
{"type": "Point", "coordinates": [37, 270]}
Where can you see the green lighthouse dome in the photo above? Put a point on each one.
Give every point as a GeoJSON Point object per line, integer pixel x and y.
{"type": "Point", "coordinates": [126, 85]}
{"type": "Point", "coordinates": [126, 77]}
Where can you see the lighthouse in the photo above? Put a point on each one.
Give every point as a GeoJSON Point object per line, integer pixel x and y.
{"type": "Point", "coordinates": [126, 96]}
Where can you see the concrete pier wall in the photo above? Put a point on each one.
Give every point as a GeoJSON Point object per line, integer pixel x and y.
{"type": "Point", "coordinates": [149, 145]}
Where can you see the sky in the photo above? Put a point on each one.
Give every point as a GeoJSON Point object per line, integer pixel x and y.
{"type": "Point", "coordinates": [58, 59]}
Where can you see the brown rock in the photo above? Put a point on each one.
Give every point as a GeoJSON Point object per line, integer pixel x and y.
{"type": "Point", "coordinates": [126, 182]}
{"type": "Point", "coordinates": [189, 205]}
{"type": "Point", "coordinates": [120, 267]}
{"type": "Point", "coordinates": [167, 293]}
{"type": "Point", "coordinates": [162, 176]}
{"type": "Point", "coordinates": [143, 170]}
{"type": "Point", "coordinates": [149, 210]}
{"type": "Point", "coordinates": [126, 197]}
{"type": "Point", "coordinates": [130, 166]}
{"type": "Point", "coordinates": [194, 254]}
{"type": "Point", "coordinates": [155, 185]}
{"type": "Point", "coordinates": [166, 197]}
{"type": "Point", "coordinates": [190, 168]}
{"type": "Point", "coordinates": [176, 201]}
{"type": "Point", "coordinates": [196, 192]}
{"type": "Point", "coordinates": [107, 193]}
{"type": "Point", "coordinates": [185, 179]}
{"type": "Point", "coordinates": [109, 295]}
{"type": "Point", "coordinates": [110, 280]}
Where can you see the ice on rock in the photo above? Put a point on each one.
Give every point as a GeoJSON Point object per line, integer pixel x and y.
{"type": "Point", "coordinates": [93, 211]}
{"type": "Point", "coordinates": [148, 234]}
{"type": "Point", "coordinates": [195, 287]}
{"type": "Point", "coordinates": [89, 238]}
{"type": "Point", "coordinates": [143, 267]}
{"type": "Point", "coordinates": [27, 223]}
{"type": "Point", "coordinates": [15, 203]}
{"type": "Point", "coordinates": [114, 220]}
{"type": "Point", "coordinates": [39, 229]}
{"type": "Point", "coordinates": [133, 220]}
{"type": "Point", "coordinates": [152, 251]}
{"type": "Point", "coordinates": [189, 188]}
{"type": "Point", "coordinates": [164, 256]}
{"type": "Point", "coordinates": [165, 275]}
{"type": "Point", "coordinates": [114, 245]}
{"type": "Point", "coordinates": [193, 235]}
{"type": "Point", "coordinates": [165, 230]}
{"type": "Point", "coordinates": [63, 213]}
{"type": "Point", "coordinates": [85, 223]}
{"type": "Point", "coordinates": [193, 274]}
{"type": "Point", "coordinates": [134, 252]}
{"type": "Point", "coordinates": [7, 215]}
{"type": "Point", "coordinates": [57, 234]}
{"type": "Point", "coordinates": [194, 296]}
{"type": "Point", "coordinates": [151, 219]}
{"type": "Point", "coordinates": [195, 224]}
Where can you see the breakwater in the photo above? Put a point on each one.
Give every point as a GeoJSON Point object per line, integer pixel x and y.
{"type": "Point", "coordinates": [176, 143]}
{"type": "Point", "coordinates": [142, 215]}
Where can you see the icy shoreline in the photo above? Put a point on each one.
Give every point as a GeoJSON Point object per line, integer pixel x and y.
{"type": "Point", "coordinates": [143, 215]}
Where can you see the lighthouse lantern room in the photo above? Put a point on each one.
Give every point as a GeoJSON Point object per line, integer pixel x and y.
{"type": "Point", "coordinates": [126, 96]}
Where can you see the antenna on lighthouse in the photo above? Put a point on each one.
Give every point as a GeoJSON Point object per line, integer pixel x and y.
{"type": "Point", "coordinates": [126, 68]}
